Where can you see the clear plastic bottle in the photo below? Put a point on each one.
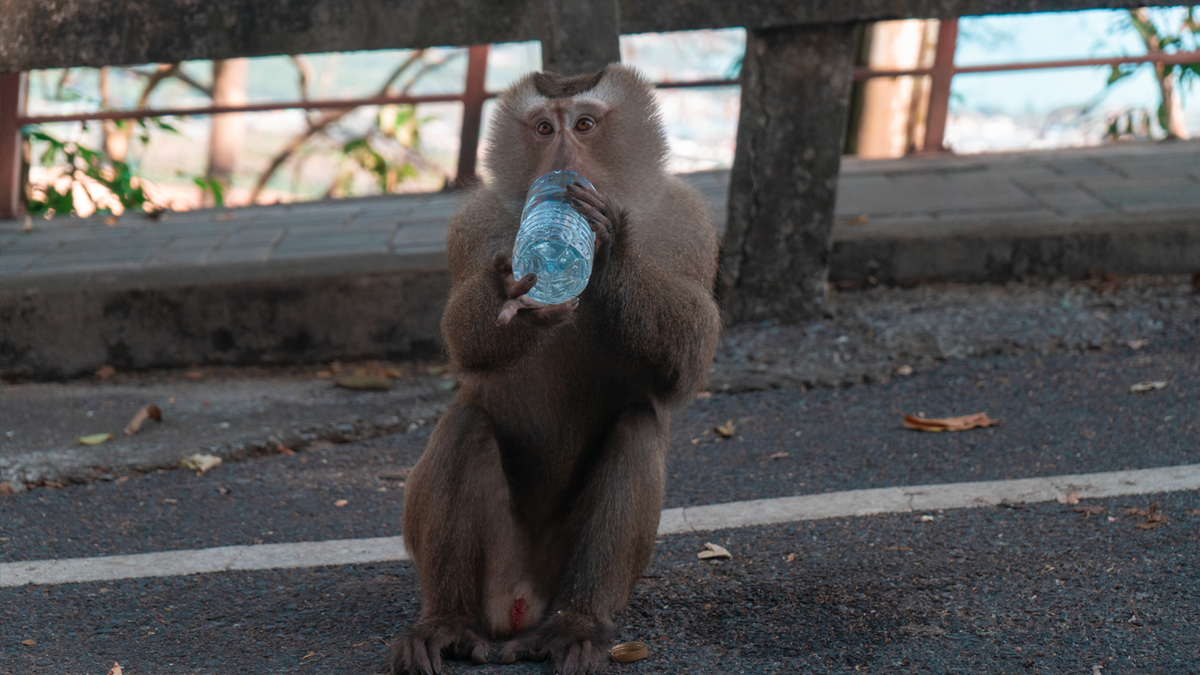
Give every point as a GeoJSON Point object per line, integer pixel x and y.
{"type": "Point", "coordinates": [555, 242]}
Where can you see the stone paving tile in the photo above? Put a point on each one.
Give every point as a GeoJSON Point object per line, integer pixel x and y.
{"type": "Point", "coordinates": [1078, 167]}
{"type": "Point", "coordinates": [335, 242]}
{"type": "Point", "coordinates": [236, 254]}
{"type": "Point", "coordinates": [82, 252]}
{"type": "Point", "coordinates": [248, 237]}
{"type": "Point", "coordinates": [1072, 202]}
{"type": "Point", "coordinates": [1143, 198]}
{"type": "Point", "coordinates": [936, 194]}
{"type": "Point", "coordinates": [12, 264]}
{"type": "Point", "coordinates": [1152, 166]}
{"type": "Point", "coordinates": [420, 234]}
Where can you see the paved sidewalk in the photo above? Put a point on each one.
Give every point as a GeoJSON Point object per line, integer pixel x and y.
{"type": "Point", "coordinates": [282, 282]}
{"type": "Point", "coordinates": [1127, 183]}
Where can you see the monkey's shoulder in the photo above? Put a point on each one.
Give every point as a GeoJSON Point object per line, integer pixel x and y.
{"type": "Point", "coordinates": [484, 224]}
{"type": "Point", "coordinates": [679, 230]}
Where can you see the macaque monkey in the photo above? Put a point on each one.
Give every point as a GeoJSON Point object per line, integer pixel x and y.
{"type": "Point", "coordinates": [533, 510]}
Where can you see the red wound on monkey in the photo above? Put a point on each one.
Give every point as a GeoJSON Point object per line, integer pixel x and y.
{"type": "Point", "coordinates": [518, 614]}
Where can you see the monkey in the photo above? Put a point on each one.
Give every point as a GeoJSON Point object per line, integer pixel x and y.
{"type": "Point", "coordinates": [534, 507]}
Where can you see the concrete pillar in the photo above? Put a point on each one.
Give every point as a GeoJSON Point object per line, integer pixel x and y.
{"type": "Point", "coordinates": [795, 102]}
{"type": "Point", "coordinates": [579, 36]}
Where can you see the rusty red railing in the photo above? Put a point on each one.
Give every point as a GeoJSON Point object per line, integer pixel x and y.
{"type": "Point", "coordinates": [943, 70]}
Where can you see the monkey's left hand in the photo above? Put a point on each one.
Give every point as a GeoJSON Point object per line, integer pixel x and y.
{"type": "Point", "coordinates": [604, 217]}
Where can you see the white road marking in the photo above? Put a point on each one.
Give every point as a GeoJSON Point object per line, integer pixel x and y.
{"type": "Point", "coordinates": [674, 521]}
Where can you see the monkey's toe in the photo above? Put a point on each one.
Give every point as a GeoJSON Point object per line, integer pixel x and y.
{"type": "Point", "coordinates": [418, 650]}
{"type": "Point", "coordinates": [576, 644]}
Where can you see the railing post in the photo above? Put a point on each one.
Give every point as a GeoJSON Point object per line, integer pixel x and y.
{"type": "Point", "coordinates": [12, 104]}
{"type": "Point", "coordinates": [939, 89]}
{"type": "Point", "coordinates": [473, 98]}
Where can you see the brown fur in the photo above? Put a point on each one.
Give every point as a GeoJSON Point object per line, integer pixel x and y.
{"type": "Point", "coordinates": [553, 85]}
{"type": "Point", "coordinates": [542, 485]}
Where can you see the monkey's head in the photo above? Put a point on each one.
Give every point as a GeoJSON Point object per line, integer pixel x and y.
{"type": "Point", "coordinates": [604, 126]}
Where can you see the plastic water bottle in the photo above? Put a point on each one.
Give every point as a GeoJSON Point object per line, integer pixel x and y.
{"type": "Point", "coordinates": [555, 241]}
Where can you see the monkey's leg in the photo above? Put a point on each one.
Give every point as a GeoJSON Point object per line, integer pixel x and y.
{"type": "Point", "coordinates": [611, 530]}
{"type": "Point", "coordinates": [459, 530]}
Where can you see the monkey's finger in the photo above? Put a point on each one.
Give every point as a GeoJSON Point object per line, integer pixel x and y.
{"type": "Point", "coordinates": [515, 288]}
{"type": "Point", "coordinates": [596, 219]}
{"type": "Point", "coordinates": [552, 315]}
{"type": "Point", "coordinates": [479, 655]}
{"type": "Point", "coordinates": [507, 312]}
{"type": "Point", "coordinates": [503, 263]}
{"type": "Point", "coordinates": [589, 195]}
{"type": "Point", "coordinates": [419, 662]}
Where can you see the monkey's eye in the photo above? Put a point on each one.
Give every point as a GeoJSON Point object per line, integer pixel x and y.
{"type": "Point", "coordinates": [585, 124]}
{"type": "Point", "coordinates": [544, 128]}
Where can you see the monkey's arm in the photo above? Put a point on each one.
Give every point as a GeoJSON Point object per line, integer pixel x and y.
{"type": "Point", "coordinates": [669, 322]}
{"type": "Point", "coordinates": [489, 321]}
{"type": "Point", "coordinates": [654, 298]}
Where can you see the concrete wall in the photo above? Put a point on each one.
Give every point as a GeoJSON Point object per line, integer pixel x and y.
{"type": "Point", "coordinates": [63, 33]}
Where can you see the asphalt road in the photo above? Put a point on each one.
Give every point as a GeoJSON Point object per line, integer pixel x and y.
{"type": "Point", "coordinates": [1035, 589]}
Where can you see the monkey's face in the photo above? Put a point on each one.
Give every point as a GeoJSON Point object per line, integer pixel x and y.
{"type": "Point", "coordinates": [604, 126]}
{"type": "Point", "coordinates": [562, 134]}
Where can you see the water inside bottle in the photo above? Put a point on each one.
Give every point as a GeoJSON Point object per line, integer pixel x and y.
{"type": "Point", "coordinates": [555, 241]}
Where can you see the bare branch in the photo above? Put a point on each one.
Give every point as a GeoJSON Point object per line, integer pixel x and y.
{"type": "Point", "coordinates": [179, 74]}
{"type": "Point", "coordinates": [327, 119]}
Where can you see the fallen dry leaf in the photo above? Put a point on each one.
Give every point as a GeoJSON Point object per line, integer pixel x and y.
{"type": "Point", "coordinates": [791, 557]}
{"type": "Point", "coordinates": [897, 548]}
{"type": "Point", "coordinates": [1138, 344]}
{"type": "Point", "coordinates": [628, 652]}
{"type": "Point", "coordinates": [95, 439]}
{"type": "Point", "coordinates": [148, 412]}
{"type": "Point", "coordinates": [1154, 518]}
{"type": "Point", "coordinates": [949, 423]}
{"type": "Point", "coordinates": [106, 372]}
{"type": "Point", "coordinates": [28, 643]}
{"type": "Point", "coordinates": [199, 462]}
{"type": "Point", "coordinates": [285, 450]}
{"type": "Point", "coordinates": [714, 552]}
{"type": "Point", "coordinates": [341, 502]}
{"type": "Point", "coordinates": [1092, 510]}
{"type": "Point", "coordinates": [1070, 499]}
{"type": "Point", "coordinates": [779, 455]}
{"type": "Point", "coordinates": [725, 431]}
{"type": "Point", "coordinates": [363, 382]}
{"type": "Point", "coordinates": [1147, 386]}
{"type": "Point", "coordinates": [116, 669]}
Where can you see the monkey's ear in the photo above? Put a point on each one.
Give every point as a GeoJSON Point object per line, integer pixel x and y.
{"type": "Point", "coordinates": [553, 85]}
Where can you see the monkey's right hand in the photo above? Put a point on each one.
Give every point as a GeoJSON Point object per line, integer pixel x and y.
{"type": "Point", "coordinates": [517, 303]}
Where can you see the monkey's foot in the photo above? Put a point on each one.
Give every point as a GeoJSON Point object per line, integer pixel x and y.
{"type": "Point", "coordinates": [576, 644]}
{"type": "Point", "coordinates": [418, 649]}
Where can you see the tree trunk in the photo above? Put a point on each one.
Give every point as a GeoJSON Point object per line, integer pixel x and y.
{"type": "Point", "coordinates": [580, 36]}
{"type": "Point", "coordinates": [229, 130]}
{"type": "Point", "coordinates": [795, 101]}
{"type": "Point", "coordinates": [1170, 112]}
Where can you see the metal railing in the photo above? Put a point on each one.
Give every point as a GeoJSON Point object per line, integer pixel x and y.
{"type": "Point", "coordinates": [474, 94]}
